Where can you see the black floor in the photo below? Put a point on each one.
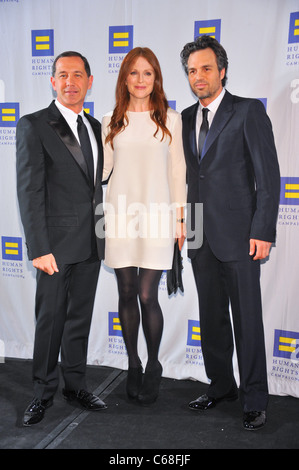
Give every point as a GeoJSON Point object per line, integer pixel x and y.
{"type": "Point", "coordinates": [168, 424]}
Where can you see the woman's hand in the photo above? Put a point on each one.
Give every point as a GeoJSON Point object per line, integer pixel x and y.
{"type": "Point", "coordinates": [180, 233]}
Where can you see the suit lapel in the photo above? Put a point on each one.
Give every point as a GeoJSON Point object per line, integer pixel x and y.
{"type": "Point", "coordinates": [222, 116]}
{"type": "Point", "coordinates": [190, 129]}
{"type": "Point", "coordinates": [62, 129]}
{"type": "Point", "coordinates": [96, 127]}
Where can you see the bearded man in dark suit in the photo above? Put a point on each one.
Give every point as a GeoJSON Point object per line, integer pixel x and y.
{"type": "Point", "coordinates": [233, 172]}
{"type": "Point", "coordinates": [59, 186]}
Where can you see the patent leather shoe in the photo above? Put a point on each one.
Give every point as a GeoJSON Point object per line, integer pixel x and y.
{"type": "Point", "coordinates": [253, 420]}
{"type": "Point", "coordinates": [204, 402]}
{"type": "Point", "coordinates": [35, 412]}
{"type": "Point", "coordinates": [85, 399]}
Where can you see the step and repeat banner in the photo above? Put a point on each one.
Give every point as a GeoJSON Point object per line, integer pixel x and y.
{"type": "Point", "coordinates": [261, 38]}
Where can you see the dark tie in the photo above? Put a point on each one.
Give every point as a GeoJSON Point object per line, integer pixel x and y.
{"type": "Point", "coordinates": [86, 146]}
{"type": "Point", "coordinates": [204, 128]}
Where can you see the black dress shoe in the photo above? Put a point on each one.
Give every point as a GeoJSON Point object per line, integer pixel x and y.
{"type": "Point", "coordinates": [253, 420]}
{"type": "Point", "coordinates": [87, 400]}
{"type": "Point", "coordinates": [150, 388]}
{"type": "Point", "coordinates": [204, 402]}
{"type": "Point", "coordinates": [36, 410]}
{"type": "Point", "coordinates": [134, 382]}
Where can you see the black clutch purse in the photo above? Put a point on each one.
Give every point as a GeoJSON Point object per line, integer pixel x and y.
{"type": "Point", "coordinates": [174, 275]}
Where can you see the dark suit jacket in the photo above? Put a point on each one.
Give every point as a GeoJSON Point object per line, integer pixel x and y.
{"type": "Point", "coordinates": [237, 178]}
{"type": "Point", "coordinates": [57, 201]}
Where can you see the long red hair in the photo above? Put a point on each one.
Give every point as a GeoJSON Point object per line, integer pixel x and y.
{"type": "Point", "coordinates": [158, 101]}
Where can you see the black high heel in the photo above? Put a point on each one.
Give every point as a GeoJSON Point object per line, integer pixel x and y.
{"type": "Point", "coordinates": [134, 382]}
{"type": "Point", "coordinates": [150, 389]}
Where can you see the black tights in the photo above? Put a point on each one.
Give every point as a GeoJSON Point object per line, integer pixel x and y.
{"type": "Point", "coordinates": [143, 284]}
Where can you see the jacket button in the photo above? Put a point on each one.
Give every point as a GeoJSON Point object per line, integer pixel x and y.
{"type": "Point", "coordinates": [202, 177]}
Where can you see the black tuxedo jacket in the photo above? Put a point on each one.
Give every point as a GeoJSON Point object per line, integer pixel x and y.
{"type": "Point", "coordinates": [237, 179]}
{"type": "Point", "coordinates": [56, 198]}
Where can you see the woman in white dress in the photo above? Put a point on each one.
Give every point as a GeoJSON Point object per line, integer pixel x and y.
{"type": "Point", "coordinates": [144, 207]}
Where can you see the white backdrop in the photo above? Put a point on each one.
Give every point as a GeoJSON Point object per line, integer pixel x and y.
{"type": "Point", "coordinates": [261, 38]}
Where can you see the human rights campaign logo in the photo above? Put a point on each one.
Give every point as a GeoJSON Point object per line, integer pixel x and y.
{"type": "Point", "coordinates": [172, 104]}
{"type": "Point", "coordinates": [289, 190]}
{"type": "Point", "coordinates": [209, 28]}
{"type": "Point", "coordinates": [42, 42]}
{"type": "Point", "coordinates": [114, 324]}
{"type": "Point", "coordinates": [194, 337]}
{"type": "Point", "coordinates": [286, 344]}
{"type": "Point", "coordinates": [120, 39]}
{"type": "Point", "coordinates": [9, 114]}
{"type": "Point", "coordinates": [294, 27]}
{"type": "Point", "coordinates": [88, 107]}
{"type": "Point", "coordinates": [12, 248]}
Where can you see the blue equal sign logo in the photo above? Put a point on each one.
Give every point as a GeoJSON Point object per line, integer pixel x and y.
{"type": "Point", "coordinates": [208, 28]}
{"type": "Point", "coordinates": [286, 344]}
{"type": "Point", "coordinates": [42, 42]}
{"type": "Point", "coordinates": [294, 28]}
{"type": "Point", "coordinates": [120, 39]}
{"type": "Point", "coordinates": [12, 248]}
{"type": "Point", "coordinates": [9, 114]}
{"type": "Point", "coordinates": [114, 324]}
{"type": "Point", "coordinates": [289, 190]}
{"type": "Point", "coordinates": [194, 336]}
{"type": "Point", "coordinates": [88, 107]}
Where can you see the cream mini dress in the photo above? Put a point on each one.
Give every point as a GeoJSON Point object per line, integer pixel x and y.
{"type": "Point", "coordinates": [147, 183]}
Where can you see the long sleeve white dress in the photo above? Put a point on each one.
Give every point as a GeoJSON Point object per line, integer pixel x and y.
{"type": "Point", "coordinates": [147, 184]}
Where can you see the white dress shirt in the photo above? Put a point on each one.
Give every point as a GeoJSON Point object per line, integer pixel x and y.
{"type": "Point", "coordinates": [71, 118]}
{"type": "Point", "coordinates": [213, 106]}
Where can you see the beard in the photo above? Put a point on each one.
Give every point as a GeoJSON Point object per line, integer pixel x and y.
{"type": "Point", "coordinates": [201, 94]}
{"type": "Point", "coordinates": [210, 91]}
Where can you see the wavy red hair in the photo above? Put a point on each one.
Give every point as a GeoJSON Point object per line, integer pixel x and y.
{"type": "Point", "coordinates": [158, 101]}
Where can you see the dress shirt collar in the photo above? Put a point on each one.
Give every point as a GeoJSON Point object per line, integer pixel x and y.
{"type": "Point", "coordinates": [213, 106]}
{"type": "Point", "coordinates": [69, 115]}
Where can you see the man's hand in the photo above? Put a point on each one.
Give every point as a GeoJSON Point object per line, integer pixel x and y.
{"type": "Point", "coordinates": [46, 263]}
{"type": "Point", "coordinates": [260, 248]}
